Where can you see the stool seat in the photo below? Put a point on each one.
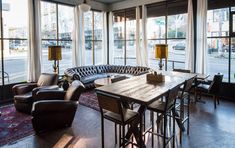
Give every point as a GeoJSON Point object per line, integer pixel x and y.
{"type": "Point", "coordinates": [157, 106]}
{"type": "Point", "coordinates": [203, 87]}
{"type": "Point", "coordinates": [128, 115]}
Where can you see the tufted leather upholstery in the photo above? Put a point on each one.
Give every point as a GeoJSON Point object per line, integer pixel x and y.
{"type": "Point", "coordinates": [88, 74]}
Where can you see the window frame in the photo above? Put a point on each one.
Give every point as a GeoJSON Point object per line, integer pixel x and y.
{"type": "Point", "coordinates": [2, 48]}
{"type": "Point", "coordinates": [166, 39]}
{"type": "Point", "coordinates": [57, 39]}
{"type": "Point", "coordinates": [125, 40]}
{"type": "Point", "coordinates": [93, 40]}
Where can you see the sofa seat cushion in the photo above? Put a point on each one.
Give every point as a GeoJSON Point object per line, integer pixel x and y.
{"type": "Point", "coordinates": [92, 78]}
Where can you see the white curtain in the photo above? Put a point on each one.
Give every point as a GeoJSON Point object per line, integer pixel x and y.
{"type": "Point", "coordinates": [105, 39]}
{"type": "Point", "coordinates": [111, 39]}
{"type": "Point", "coordinates": [144, 37]}
{"type": "Point", "coordinates": [201, 36]}
{"type": "Point", "coordinates": [141, 38]}
{"type": "Point", "coordinates": [137, 34]}
{"type": "Point", "coordinates": [78, 51]}
{"type": "Point", "coordinates": [34, 40]}
{"type": "Point", "coordinates": [190, 39]}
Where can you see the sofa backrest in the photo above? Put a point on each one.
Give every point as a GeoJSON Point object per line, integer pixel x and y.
{"type": "Point", "coordinates": [78, 72]}
{"type": "Point", "coordinates": [103, 68]}
{"type": "Point", "coordinates": [136, 70]}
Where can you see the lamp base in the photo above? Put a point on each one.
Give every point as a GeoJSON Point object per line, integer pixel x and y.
{"type": "Point", "coordinates": [160, 64]}
{"type": "Point", "coordinates": [56, 67]}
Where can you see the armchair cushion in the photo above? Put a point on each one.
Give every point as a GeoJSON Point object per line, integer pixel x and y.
{"type": "Point", "coordinates": [35, 90]}
{"type": "Point", "coordinates": [47, 79]}
{"type": "Point", "coordinates": [49, 95]}
{"type": "Point", "coordinates": [203, 88]}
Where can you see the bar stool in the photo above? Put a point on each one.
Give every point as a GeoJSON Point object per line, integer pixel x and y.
{"type": "Point", "coordinates": [164, 109]}
{"type": "Point", "coordinates": [111, 108]}
{"type": "Point", "coordinates": [184, 101]}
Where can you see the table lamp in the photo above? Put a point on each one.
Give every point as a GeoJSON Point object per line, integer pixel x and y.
{"type": "Point", "coordinates": [54, 53]}
{"type": "Point", "coordinates": [161, 52]}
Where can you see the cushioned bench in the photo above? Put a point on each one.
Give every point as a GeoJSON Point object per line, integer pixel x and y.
{"type": "Point", "coordinates": [88, 74]}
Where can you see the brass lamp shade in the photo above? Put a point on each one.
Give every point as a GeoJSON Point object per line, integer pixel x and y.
{"type": "Point", "coordinates": [161, 51]}
{"type": "Point", "coordinates": [54, 53]}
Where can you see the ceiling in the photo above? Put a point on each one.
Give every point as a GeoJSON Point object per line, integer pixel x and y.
{"type": "Point", "coordinates": [109, 1]}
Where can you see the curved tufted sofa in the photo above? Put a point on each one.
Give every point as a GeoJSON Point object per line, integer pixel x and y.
{"type": "Point", "coordinates": [88, 74]}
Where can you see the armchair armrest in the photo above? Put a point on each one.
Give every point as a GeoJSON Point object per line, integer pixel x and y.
{"type": "Point", "coordinates": [23, 88]}
{"type": "Point", "coordinates": [45, 94]}
{"type": "Point", "coordinates": [53, 107]}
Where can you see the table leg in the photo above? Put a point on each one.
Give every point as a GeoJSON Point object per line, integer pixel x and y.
{"type": "Point", "coordinates": [137, 132]}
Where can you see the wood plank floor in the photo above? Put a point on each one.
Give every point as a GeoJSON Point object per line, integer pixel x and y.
{"type": "Point", "coordinates": [209, 128]}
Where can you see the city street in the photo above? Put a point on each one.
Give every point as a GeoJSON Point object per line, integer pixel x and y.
{"type": "Point", "coordinates": [16, 66]}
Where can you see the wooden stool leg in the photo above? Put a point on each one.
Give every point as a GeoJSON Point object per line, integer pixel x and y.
{"type": "Point", "coordinates": [102, 132]}
{"type": "Point", "coordinates": [188, 111]}
{"type": "Point", "coordinates": [120, 137]}
{"type": "Point", "coordinates": [123, 136]}
{"type": "Point", "coordinates": [115, 133]}
{"type": "Point", "coordinates": [152, 120]}
{"type": "Point", "coordinates": [173, 128]}
{"type": "Point", "coordinates": [164, 131]}
{"type": "Point", "coordinates": [214, 98]}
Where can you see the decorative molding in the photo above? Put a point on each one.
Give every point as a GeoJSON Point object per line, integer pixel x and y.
{"type": "Point", "coordinates": [130, 3]}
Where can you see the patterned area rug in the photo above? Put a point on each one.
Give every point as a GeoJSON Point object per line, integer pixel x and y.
{"type": "Point", "coordinates": [14, 125]}
{"type": "Point", "coordinates": [89, 99]}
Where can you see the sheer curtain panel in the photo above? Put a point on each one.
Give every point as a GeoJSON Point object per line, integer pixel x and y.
{"type": "Point", "coordinates": [189, 62]}
{"type": "Point", "coordinates": [34, 40]}
{"type": "Point", "coordinates": [201, 36]}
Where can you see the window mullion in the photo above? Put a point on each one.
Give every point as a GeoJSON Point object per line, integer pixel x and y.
{"type": "Point", "coordinates": [57, 25]}
{"type": "Point", "coordinates": [93, 43]}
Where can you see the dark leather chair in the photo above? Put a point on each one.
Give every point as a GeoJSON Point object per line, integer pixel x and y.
{"type": "Point", "coordinates": [23, 93]}
{"type": "Point", "coordinates": [212, 89]}
{"type": "Point", "coordinates": [57, 108]}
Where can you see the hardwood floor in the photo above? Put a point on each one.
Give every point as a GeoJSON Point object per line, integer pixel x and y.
{"type": "Point", "coordinates": [209, 128]}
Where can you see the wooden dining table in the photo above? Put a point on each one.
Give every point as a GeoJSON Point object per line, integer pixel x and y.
{"type": "Point", "coordinates": [138, 90]}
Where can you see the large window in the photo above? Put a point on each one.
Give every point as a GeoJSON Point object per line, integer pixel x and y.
{"type": "Point", "coordinates": [56, 26]}
{"type": "Point", "coordinates": [220, 39]}
{"type": "Point", "coordinates": [15, 43]}
{"type": "Point", "coordinates": [124, 29]}
{"type": "Point", "coordinates": [93, 29]}
{"type": "Point", "coordinates": [166, 24]}
{"type": "Point", "coordinates": [232, 46]}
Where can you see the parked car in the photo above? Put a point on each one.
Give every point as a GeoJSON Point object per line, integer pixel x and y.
{"type": "Point", "coordinates": [211, 50]}
{"type": "Point", "coordinates": [179, 46]}
{"type": "Point", "coordinates": [226, 48]}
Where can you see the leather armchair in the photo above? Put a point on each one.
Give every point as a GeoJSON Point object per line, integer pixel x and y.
{"type": "Point", "coordinates": [57, 109]}
{"type": "Point", "coordinates": [24, 93]}
{"type": "Point", "coordinates": [45, 79]}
